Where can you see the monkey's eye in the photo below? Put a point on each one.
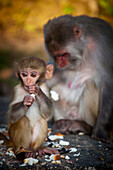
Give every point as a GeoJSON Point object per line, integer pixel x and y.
{"type": "Point", "coordinates": [33, 74]}
{"type": "Point", "coordinates": [24, 74]}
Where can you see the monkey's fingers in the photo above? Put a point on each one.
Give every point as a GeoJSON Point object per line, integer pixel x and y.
{"type": "Point", "coordinates": [25, 153]}
{"type": "Point", "coordinates": [31, 89]}
{"type": "Point", "coordinates": [29, 154]}
{"type": "Point", "coordinates": [28, 101]}
{"type": "Point", "coordinates": [47, 150]}
{"type": "Point", "coordinates": [28, 104]}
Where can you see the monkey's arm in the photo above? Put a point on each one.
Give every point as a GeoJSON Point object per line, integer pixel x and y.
{"type": "Point", "coordinates": [15, 112]}
{"type": "Point", "coordinates": [45, 104]}
{"type": "Point", "coordinates": [104, 123]}
{"type": "Point", "coordinates": [17, 109]}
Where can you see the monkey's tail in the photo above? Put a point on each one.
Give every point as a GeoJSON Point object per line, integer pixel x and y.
{"type": "Point", "coordinates": [6, 141]}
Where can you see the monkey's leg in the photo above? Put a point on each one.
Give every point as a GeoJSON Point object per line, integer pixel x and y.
{"type": "Point", "coordinates": [20, 133]}
{"type": "Point", "coordinates": [103, 129]}
{"type": "Point", "coordinates": [38, 137]}
{"type": "Point", "coordinates": [89, 103]}
{"type": "Point", "coordinates": [39, 133]}
{"type": "Point", "coordinates": [7, 142]}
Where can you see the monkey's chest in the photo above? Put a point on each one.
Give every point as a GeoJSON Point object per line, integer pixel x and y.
{"type": "Point", "coordinates": [67, 107]}
{"type": "Point", "coordinates": [72, 95]}
{"type": "Point", "coordinates": [38, 124]}
{"type": "Point", "coordinates": [33, 114]}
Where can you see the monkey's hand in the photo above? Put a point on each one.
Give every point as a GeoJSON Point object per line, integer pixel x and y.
{"type": "Point", "coordinates": [32, 89]}
{"type": "Point", "coordinates": [28, 100]}
{"type": "Point", "coordinates": [38, 92]}
{"type": "Point", "coordinates": [37, 89]}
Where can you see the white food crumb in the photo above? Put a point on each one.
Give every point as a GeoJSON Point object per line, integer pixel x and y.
{"type": "Point", "coordinates": [77, 154]}
{"type": "Point", "coordinates": [23, 164]}
{"type": "Point", "coordinates": [62, 156]}
{"type": "Point", "coordinates": [56, 145]}
{"type": "Point", "coordinates": [46, 156]}
{"type": "Point", "coordinates": [36, 153]}
{"type": "Point", "coordinates": [54, 157]}
{"type": "Point", "coordinates": [54, 95]}
{"type": "Point", "coordinates": [10, 153]}
{"type": "Point", "coordinates": [56, 162]}
{"type": "Point", "coordinates": [33, 95]}
{"type": "Point", "coordinates": [55, 137]}
{"type": "Point", "coordinates": [81, 133]}
{"type": "Point", "coordinates": [67, 157]}
{"type": "Point", "coordinates": [48, 160]}
{"type": "Point", "coordinates": [1, 142]}
{"type": "Point", "coordinates": [73, 149]}
{"type": "Point", "coordinates": [3, 129]}
{"type": "Point", "coordinates": [65, 143]}
{"type": "Point", "coordinates": [30, 161]}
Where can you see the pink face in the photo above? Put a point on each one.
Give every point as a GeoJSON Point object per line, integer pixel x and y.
{"type": "Point", "coordinates": [62, 61]}
{"type": "Point", "coordinates": [61, 58]}
{"type": "Point", "coordinates": [29, 76]}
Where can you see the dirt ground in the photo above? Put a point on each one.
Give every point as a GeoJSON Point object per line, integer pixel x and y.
{"type": "Point", "coordinates": [89, 155]}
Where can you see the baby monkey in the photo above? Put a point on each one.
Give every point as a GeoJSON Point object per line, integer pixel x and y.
{"type": "Point", "coordinates": [30, 108]}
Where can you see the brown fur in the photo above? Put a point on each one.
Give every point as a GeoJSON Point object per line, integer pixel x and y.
{"type": "Point", "coordinates": [27, 125]}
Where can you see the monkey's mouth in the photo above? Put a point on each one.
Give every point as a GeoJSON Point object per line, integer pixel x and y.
{"type": "Point", "coordinates": [61, 58]}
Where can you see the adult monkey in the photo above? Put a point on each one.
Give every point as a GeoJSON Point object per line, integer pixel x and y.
{"type": "Point", "coordinates": [82, 50]}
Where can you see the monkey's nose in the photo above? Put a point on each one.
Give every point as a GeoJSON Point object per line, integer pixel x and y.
{"type": "Point", "coordinates": [28, 81]}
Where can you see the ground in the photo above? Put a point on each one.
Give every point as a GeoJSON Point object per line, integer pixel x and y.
{"type": "Point", "coordinates": [90, 154]}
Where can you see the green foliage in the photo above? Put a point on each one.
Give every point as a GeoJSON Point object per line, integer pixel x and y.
{"type": "Point", "coordinates": [68, 9]}
{"type": "Point", "coordinates": [10, 82]}
{"type": "Point", "coordinates": [105, 4]}
{"type": "Point", "coordinates": [5, 60]}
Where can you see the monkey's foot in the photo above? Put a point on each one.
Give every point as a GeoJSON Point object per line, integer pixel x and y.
{"type": "Point", "coordinates": [62, 126]}
{"type": "Point", "coordinates": [46, 150]}
{"type": "Point", "coordinates": [67, 126]}
{"type": "Point", "coordinates": [101, 137]}
{"type": "Point", "coordinates": [25, 153]}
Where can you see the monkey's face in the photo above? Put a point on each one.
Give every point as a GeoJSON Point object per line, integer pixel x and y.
{"type": "Point", "coordinates": [63, 42]}
{"type": "Point", "coordinates": [68, 56]}
{"type": "Point", "coordinates": [29, 76]}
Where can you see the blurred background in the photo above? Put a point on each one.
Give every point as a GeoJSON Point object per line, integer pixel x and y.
{"type": "Point", "coordinates": [21, 29]}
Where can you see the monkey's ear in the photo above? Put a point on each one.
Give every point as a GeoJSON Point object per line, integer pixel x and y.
{"type": "Point", "coordinates": [49, 71]}
{"type": "Point", "coordinates": [77, 31]}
